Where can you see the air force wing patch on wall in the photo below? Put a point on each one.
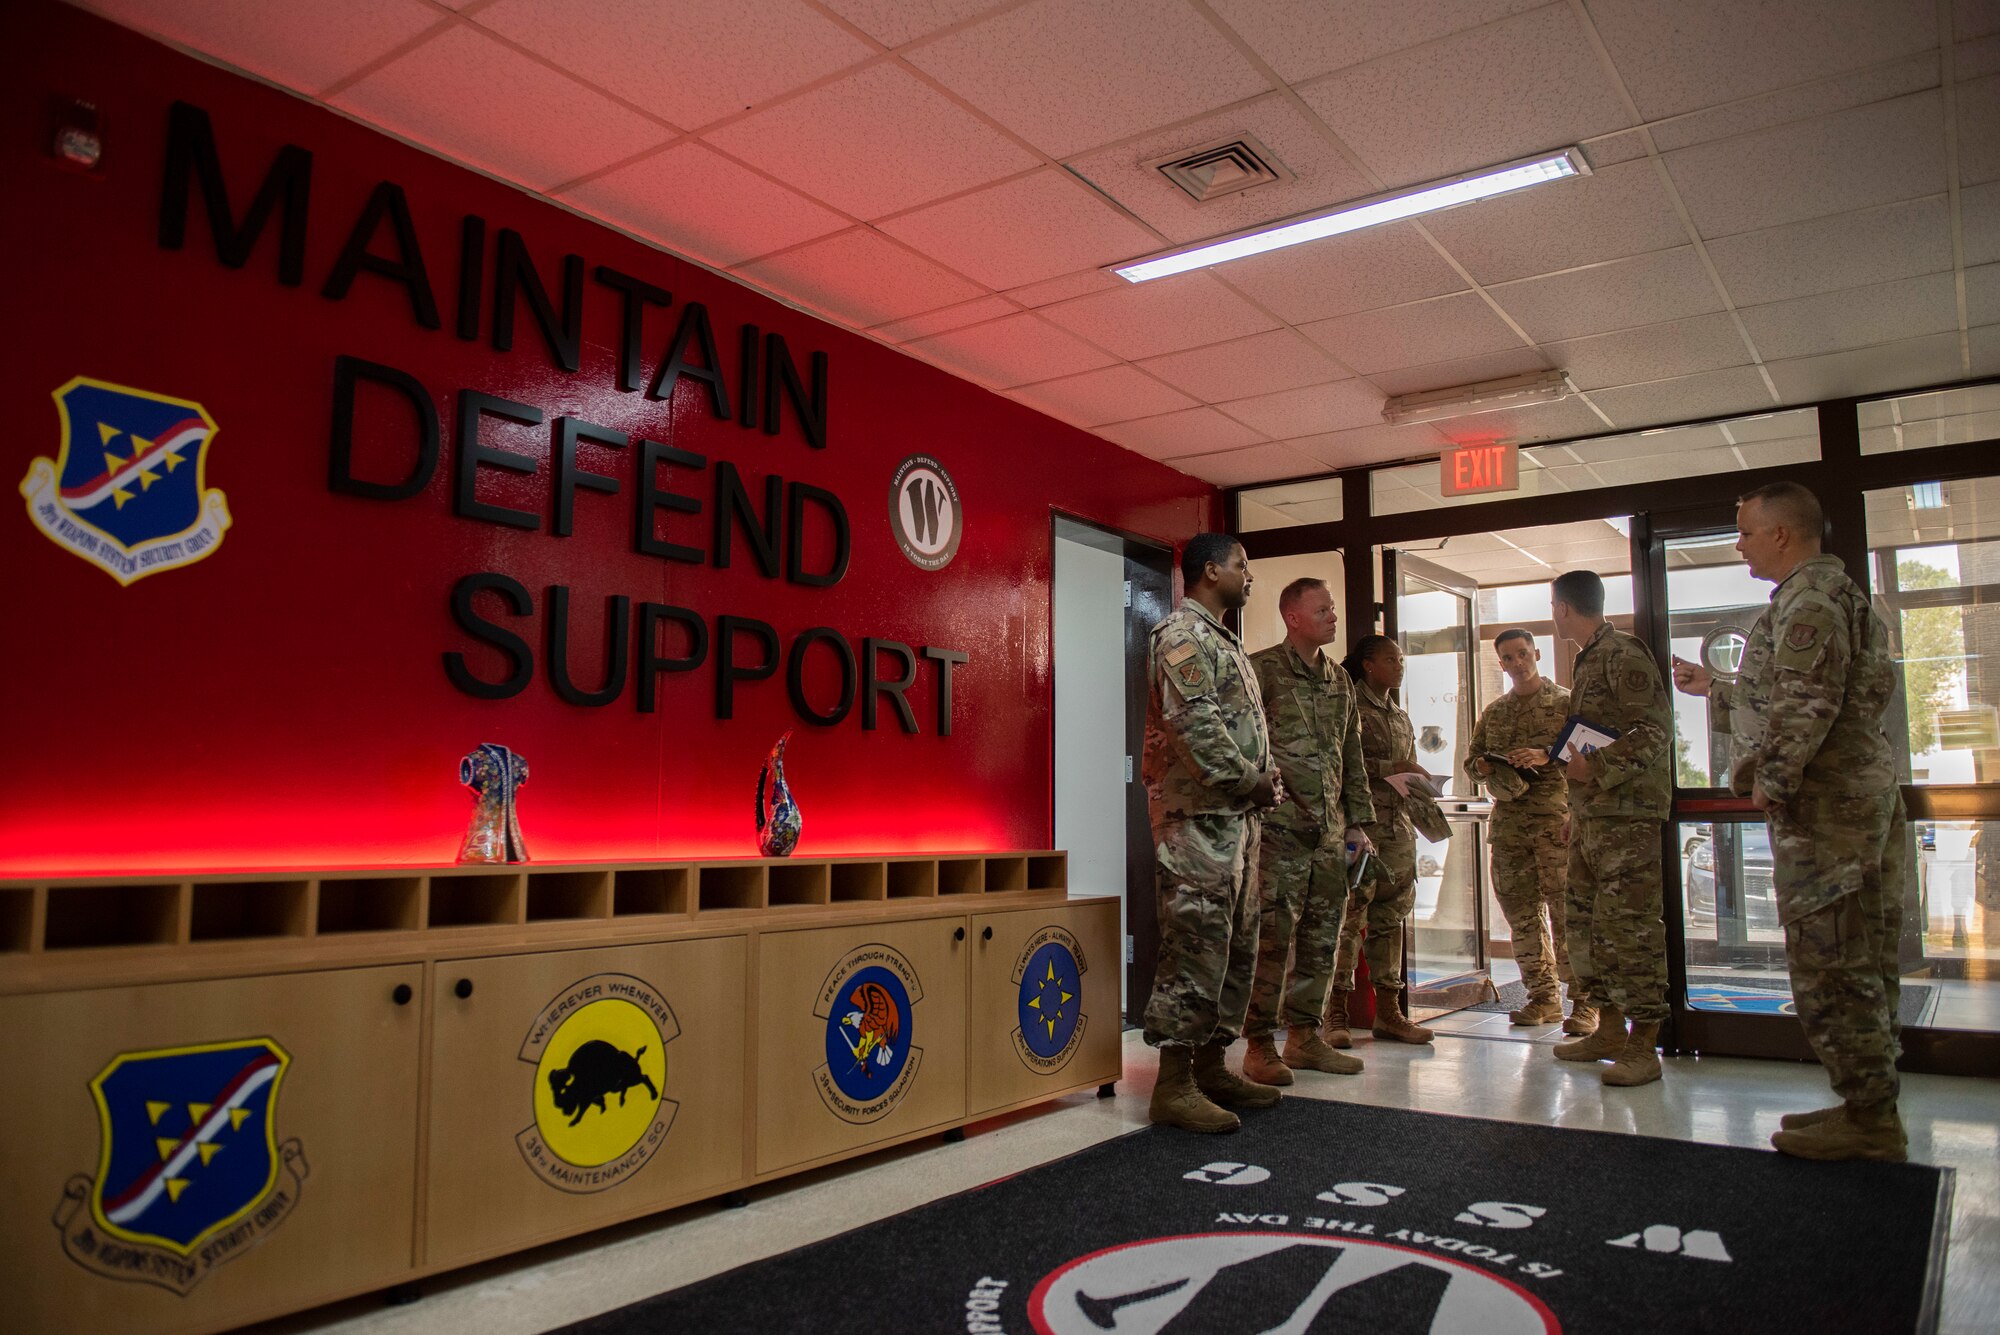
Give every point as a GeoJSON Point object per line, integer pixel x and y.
{"type": "Point", "coordinates": [868, 1004]}
{"type": "Point", "coordinates": [1048, 981]}
{"type": "Point", "coordinates": [126, 489]}
{"type": "Point", "coordinates": [190, 1171]}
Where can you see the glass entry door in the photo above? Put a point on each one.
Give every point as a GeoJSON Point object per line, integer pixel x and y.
{"type": "Point", "coordinates": [1436, 621]}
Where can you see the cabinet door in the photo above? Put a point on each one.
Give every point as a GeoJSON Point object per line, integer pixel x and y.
{"type": "Point", "coordinates": [192, 1156]}
{"type": "Point", "coordinates": [575, 1088]}
{"type": "Point", "coordinates": [861, 1034]}
{"type": "Point", "coordinates": [1044, 1013]}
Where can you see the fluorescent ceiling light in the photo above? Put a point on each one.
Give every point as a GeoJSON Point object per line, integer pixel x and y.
{"type": "Point", "coordinates": [1466, 189]}
{"type": "Point", "coordinates": [1437, 405]}
{"type": "Point", "coordinates": [1927, 495]}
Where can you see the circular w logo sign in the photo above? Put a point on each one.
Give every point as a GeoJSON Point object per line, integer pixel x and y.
{"type": "Point", "coordinates": [924, 513]}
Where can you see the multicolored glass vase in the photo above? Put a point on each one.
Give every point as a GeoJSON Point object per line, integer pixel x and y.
{"type": "Point", "coordinates": [778, 818]}
{"type": "Point", "coordinates": [494, 774]}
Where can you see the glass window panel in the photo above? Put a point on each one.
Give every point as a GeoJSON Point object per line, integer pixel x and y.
{"type": "Point", "coordinates": [1317, 501]}
{"type": "Point", "coordinates": [1710, 592]}
{"type": "Point", "coordinates": [1735, 944]}
{"type": "Point", "coordinates": [1925, 421]}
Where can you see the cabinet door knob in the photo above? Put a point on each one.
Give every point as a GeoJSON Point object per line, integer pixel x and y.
{"type": "Point", "coordinates": [958, 935]}
{"type": "Point", "coordinates": [986, 935]}
{"type": "Point", "coordinates": [464, 988]}
{"type": "Point", "coordinates": [401, 996]}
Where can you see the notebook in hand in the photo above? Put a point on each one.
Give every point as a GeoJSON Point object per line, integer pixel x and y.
{"type": "Point", "coordinates": [1580, 737]}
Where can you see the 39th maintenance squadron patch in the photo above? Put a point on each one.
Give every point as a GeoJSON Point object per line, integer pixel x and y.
{"type": "Point", "coordinates": [600, 1056]}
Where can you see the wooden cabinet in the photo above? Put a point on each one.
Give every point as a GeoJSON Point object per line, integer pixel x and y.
{"type": "Point", "coordinates": [1043, 1015]}
{"type": "Point", "coordinates": [860, 1037]}
{"type": "Point", "coordinates": [261, 1158]}
{"type": "Point", "coordinates": [571, 1089]}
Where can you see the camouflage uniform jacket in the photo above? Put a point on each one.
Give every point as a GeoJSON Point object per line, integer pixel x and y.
{"type": "Point", "coordinates": [1386, 737]}
{"type": "Point", "coordinates": [1616, 685]}
{"type": "Point", "coordinates": [1316, 737]}
{"type": "Point", "coordinates": [1806, 707]}
{"type": "Point", "coordinates": [1206, 742]}
{"type": "Point", "coordinates": [1515, 721]}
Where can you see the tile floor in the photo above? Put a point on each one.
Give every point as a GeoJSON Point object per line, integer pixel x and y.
{"type": "Point", "coordinates": [1724, 1101]}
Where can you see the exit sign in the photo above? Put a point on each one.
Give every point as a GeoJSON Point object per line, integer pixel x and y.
{"type": "Point", "coordinates": [1466, 469]}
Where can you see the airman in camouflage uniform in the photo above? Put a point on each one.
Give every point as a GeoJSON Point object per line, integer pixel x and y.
{"type": "Point", "coordinates": [1208, 774]}
{"type": "Point", "coordinates": [1618, 796]}
{"type": "Point", "coordinates": [1302, 859]}
{"type": "Point", "coordinates": [1530, 804]}
{"type": "Point", "coordinates": [1805, 714]}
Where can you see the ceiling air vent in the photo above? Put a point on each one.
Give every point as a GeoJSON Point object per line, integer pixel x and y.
{"type": "Point", "coordinates": [1222, 168]}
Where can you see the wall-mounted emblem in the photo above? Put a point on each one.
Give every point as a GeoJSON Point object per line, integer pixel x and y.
{"type": "Point", "coordinates": [924, 513]}
{"type": "Point", "coordinates": [868, 1005]}
{"type": "Point", "coordinates": [190, 1171]}
{"type": "Point", "coordinates": [1048, 981]}
{"type": "Point", "coordinates": [126, 488]}
{"type": "Point", "coordinates": [599, 1050]}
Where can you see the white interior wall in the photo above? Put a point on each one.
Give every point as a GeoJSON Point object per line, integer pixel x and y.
{"type": "Point", "coordinates": [1090, 722]}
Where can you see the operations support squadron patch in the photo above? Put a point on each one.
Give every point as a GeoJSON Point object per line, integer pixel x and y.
{"type": "Point", "coordinates": [1048, 978]}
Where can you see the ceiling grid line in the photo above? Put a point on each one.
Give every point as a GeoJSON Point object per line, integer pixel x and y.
{"type": "Point", "coordinates": [1948, 76]}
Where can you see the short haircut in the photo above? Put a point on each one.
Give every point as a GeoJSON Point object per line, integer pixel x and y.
{"type": "Point", "coordinates": [1200, 550]}
{"type": "Point", "coordinates": [1513, 633]}
{"type": "Point", "coordinates": [1289, 596]}
{"type": "Point", "coordinates": [1582, 590]}
{"type": "Point", "coordinates": [1793, 506]}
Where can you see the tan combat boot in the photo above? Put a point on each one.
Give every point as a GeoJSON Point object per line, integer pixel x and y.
{"type": "Point", "coordinates": [1261, 1063]}
{"type": "Point", "coordinates": [1857, 1133]}
{"type": "Point", "coordinates": [1639, 1063]}
{"type": "Point", "coordinates": [1607, 1040]}
{"type": "Point", "coordinates": [1391, 1023]}
{"type": "Point", "coordinates": [1793, 1121]}
{"type": "Point", "coordinates": [1334, 1028]}
{"type": "Point", "coordinates": [1539, 1010]}
{"type": "Point", "coordinates": [1213, 1078]}
{"type": "Point", "coordinates": [1176, 1101]}
{"type": "Point", "coordinates": [1582, 1018]}
{"type": "Point", "coordinates": [1307, 1051]}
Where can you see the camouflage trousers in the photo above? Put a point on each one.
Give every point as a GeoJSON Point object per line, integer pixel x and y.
{"type": "Point", "coordinates": [1205, 874]}
{"type": "Point", "coordinates": [1617, 941]}
{"type": "Point", "coordinates": [1530, 873]}
{"type": "Point", "coordinates": [1302, 893]}
{"type": "Point", "coordinates": [1845, 977]}
{"type": "Point", "coordinates": [1378, 906]}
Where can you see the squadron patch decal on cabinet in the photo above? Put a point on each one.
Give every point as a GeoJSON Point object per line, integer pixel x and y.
{"type": "Point", "coordinates": [868, 1005]}
{"type": "Point", "coordinates": [1048, 978]}
{"type": "Point", "coordinates": [599, 1050]}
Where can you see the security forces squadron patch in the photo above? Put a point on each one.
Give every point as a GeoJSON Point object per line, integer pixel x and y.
{"type": "Point", "coordinates": [1048, 981]}
{"type": "Point", "coordinates": [599, 1050]}
{"type": "Point", "coordinates": [126, 488]}
{"type": "Point", "coordinates": [190, 1172]}
{"type": "Point", "coordinates": [868, 1005]}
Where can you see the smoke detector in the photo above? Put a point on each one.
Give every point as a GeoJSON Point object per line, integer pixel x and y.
{"type": "Point", "coordinates": [1225, 167]}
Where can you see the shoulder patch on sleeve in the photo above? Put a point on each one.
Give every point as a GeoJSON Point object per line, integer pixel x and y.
{"type": "Point", "coordinates": [1635, 679]}
{"type": "Point", "coordinates": [1179, 654]}
{"type": "Point", "coordinates": [1802, 636]}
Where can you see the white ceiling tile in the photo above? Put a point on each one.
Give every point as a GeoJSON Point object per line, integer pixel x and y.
{"type": "Point", "coordinates": [1650, 289]}
{"type": "Point", "coordinates": [1711, 394]}
{"type": "Point", "coordinates": [1622, 210]}
{"type": "Point", "coordinates": [1441, 329]}
{"type": "Point", "coordinates": [547, 129]}
{"type": "Point", "coordinates": [306, 47]}
{"type": "Point", "coordinates": [1982, 295]}
{"type": "Point", "coordinates": [1303, 38]}
{"type": "Point", "coordinates": [1804, 102]}
{"type": "Point", "coordinates": [1460, 371]}
{"type": "Point", "coordinates": [1171, 435]}
{"type": "Point", "coordinates": [1259, 364]}
{"type": "Point", "coordinates": [700, 203]}
{"type": "Point", "coordinates": [1654, 352]}
{"type": "Point", "coordinates": [860, 278]}
{"type": "Point", "coordinates": [1679, 55]}
{"type": "Point", "coordinates": [1114, 394]}
{"type": "Point", "coordinates": [1891, 366]}
{"type": "Point", "coordinates": [1324, 175]}
{"type": "Point", "coordinates": [1563, 420]}
{"type": "Point", "coordinates": [1608, 150]}
{"type": "Point", "coordinates": [1827, 254]}
{"type": "Point", "coordinates": [1970, 60]}
{"type": "Point", "coordinates": [1013, 350]}
{"type": "Point", "coordinates": [1985, 344]}
{"type": "Point", "coordinates": [1979, 130]}
{"type": "Point", "coordinates": [718, 59]}
{"type": "Point", "coordinates": [1854, 318]}
{"type": "Point", "coordinates": [894, 22]}
{"type": "Point", "coordinates": [1145, 319]}
{"type": "Point", "coordinates": [1063, 288]}
{"type": "Point", "coordinates": [1382, 266]}
{"type": "Point", "coordinates": [958, 316]}
{"type": "Point", "coordinates": [1067, 75]}
{"type": "Point", "coordinates": [1376, 444]}
{"type": "Point", "coordinates": [1311, 411]}
{"type": "Point", "coordinates": [1979, 218]}
{"type": "Point", "coordinates": [874, 142]}
{"type": "Point", "coordinates": [1851, 160]}
{"type": "Point", "coordinates": [1237, 468]}
{"type": "Point", "coordinates": [1974, 18]}
{"type": "Point", "coordinates": [1503, 91]}
{"type": "Point", "coordinates": [1023, 231]}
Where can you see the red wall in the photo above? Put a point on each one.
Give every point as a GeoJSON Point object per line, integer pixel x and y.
{"type": "Point", "coordinates": [284, 703]}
